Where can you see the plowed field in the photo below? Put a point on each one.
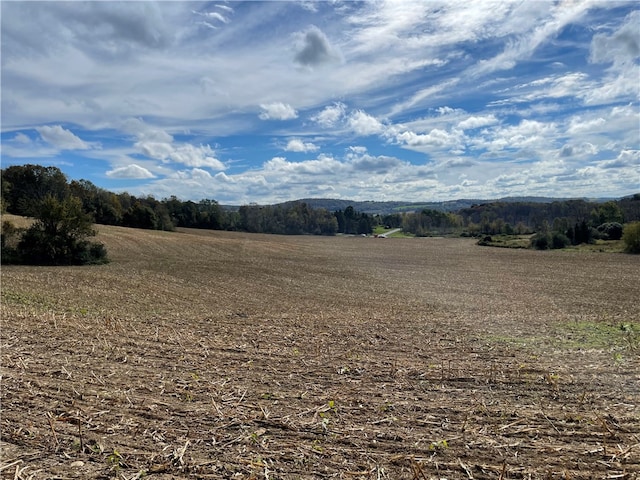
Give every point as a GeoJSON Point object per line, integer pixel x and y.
{"type": "Point", "coordinates": [222, 355]}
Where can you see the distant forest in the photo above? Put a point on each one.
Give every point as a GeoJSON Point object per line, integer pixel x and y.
{"type": "Point", "coordinates": [25, 187]}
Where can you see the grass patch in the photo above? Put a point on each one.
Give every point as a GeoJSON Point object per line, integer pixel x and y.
{"type": "Point", "coordinates": [604, 246]}
{"type": "Point", "coordinates": [27, 299]}
{"type": "Point", "coordinates": [600, 335]}
{"type": "Point", "coordinates": [18, 221]}
{"type": "Point", "coordinates": [380, 230]}
{"type": "Point", "coordinates": [506, 241]}
{"type": "Point", "coordinates": [524, 241]}
{"type": "Point", "coordinates": [583, 335]}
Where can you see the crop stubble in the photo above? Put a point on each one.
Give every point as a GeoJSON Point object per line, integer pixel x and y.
{"type": "Point", "coordinates": [222, 355]}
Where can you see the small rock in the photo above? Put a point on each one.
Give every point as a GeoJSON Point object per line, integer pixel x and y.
{"type": "Point", "coordinates": [76, 464]}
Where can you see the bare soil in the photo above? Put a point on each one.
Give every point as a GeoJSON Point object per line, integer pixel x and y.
{"type": "Point", "coordinates": [203, 354]}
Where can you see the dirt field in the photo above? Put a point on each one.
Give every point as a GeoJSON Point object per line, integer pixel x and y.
{"type": "Point", "coordinates": [221, 355]}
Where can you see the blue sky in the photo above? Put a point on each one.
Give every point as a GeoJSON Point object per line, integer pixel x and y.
{"type": "Point", "coordinates": [272, 101]}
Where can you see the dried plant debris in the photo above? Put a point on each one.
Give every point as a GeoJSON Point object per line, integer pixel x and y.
{"type": "Point", "coordinates": [223, 355]}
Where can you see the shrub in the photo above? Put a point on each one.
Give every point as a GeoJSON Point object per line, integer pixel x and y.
{"type": "Point", "coordinates": [559, 240]}
{"type": "Point", "coordinates": [631, 237]}
{"type": "Point", "coordinates": [58, 237]}
{"type": "Point", "coordinates": [485, 241]}
{"type": "Point", "coordinates": [541, 241]}
{"type": "Point", "coordinates": [610, 231]}
{"type": "Point", "coordinates": [9, 241]}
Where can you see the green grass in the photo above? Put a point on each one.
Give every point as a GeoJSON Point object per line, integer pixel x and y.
{"type": "Point", "coordinates": [600, 335]}
{"type": "Point", "coordinates": [582, 335]}
{"type": "Point", "coordinates": [509, 241]}
{"type": "Point", "coordinates": [608, 246]}
{"type": "Point", "coordinates": [524, 241]}
{"type": "Point", "coordinates": [380, 230]}
{"type": "Point", "coordinates": [27, 299]}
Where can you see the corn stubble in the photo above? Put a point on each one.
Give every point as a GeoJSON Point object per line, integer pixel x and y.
{"type": "Point", "coordinates": [223, 355]}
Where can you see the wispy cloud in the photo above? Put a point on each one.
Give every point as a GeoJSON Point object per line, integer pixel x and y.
{"type": "Point", "coordinates": [385, 99]}
{"type": "Point", "coordinates": [60, 138]}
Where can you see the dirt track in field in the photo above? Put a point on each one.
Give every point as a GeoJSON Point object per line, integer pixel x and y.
{"type": "Point", "coordinates": [221, 355]}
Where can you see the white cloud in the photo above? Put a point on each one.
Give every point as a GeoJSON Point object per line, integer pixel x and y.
{"type": "Point", "coordinates": [551, 20]}
{"type": "Point", "coordinates": [297, 145]}
{"type": "Point", "coordinates": [622, 46]}
{"type": "Point", "coordinates": [61, 138]}
{"type": "Point", "coordinates": [578, 125]}
{"type": "Point", "coordinates": [428, 93]}
{"type": "Point", "coordinates": [213, 15]}
{"type": "Point", "coordinates": [22, 138]}
{"type": "Point", "coordinates": [331, 115]}
{"type": "Point", "coordinates": [380, 164]}
{"type": "Point", "coordinates": [132, 172]}
{"type": "Point", "coordinates": [322, 165]}
{"type": "Point", "coordinates": [185, 154]}
{"type": "Point", "coordinates": [620, 83]}
{"type": "Point", "coordinates": [620, 49]}
{"type": "Point", "coordinates": [477, 121]}
{"type": "Point", "coordinates": [145, 132]}
{"type": "Point", "coordinates": [158, 90]}
{"type": "Point", "coordinates": [525, 135]}
{"type": "Point", "coordinates": [578, 150]}
{"type": "Point", "coordinates": [364, 124]}
{"type": "Point", "coordinates": [277, 111]}
{"type": "Point", "coordinates": [159, 150]}
{"type": "Point", "coordinates": [357, 149]}
{"type": "Point", "coordinates": [198, 173]}
{"type": "Point", "coordinates": [224, 8]}
{"type": "Point", "coordinates": [626, 158]}
{"type": "Point", "coordinates": [436, 138]}
{"type": "Point", "coordinates": [201, 156]}
{"type": "Point", "coordinates": [221, 176]}
{"type": "Point", "coordinates": [575, 84]}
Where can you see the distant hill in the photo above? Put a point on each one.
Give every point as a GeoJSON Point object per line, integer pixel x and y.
{"type": "Point", "coordinates": [388, 207]}
{"type": "Point", "coordinates": [385, 208]}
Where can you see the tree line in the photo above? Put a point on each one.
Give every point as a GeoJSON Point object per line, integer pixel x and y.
{"type": "Point", "coordinates": [557, 223]}
{"type": "Point", "coordinates": [26, 187]}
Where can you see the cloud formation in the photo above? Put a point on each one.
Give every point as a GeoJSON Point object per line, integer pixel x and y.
{"type": "Point", "coordinates": [133, 171]}
{"type": "Point", "coordinates": [315, 48]}
{"type": "Point", "coordinates": [297, 145]}
{"type": "Point", "coordinates": [386, 99]}
{"type": "Point", "coordinates": [277, 111]}
{"type": "Point", "coordinates": [60, 138]}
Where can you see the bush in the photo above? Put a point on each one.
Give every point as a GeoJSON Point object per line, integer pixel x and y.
{"type": "Point", "coordinates": [9, 242]}
{"type": "Point", "coordinates": [57, 237]}
{"type": "Point", "coordinates": [541, 241]}
{"type": "Point", "coordinates": [559, 240]}
{"type": "Point", "coordinates": [610, 231]}
{"type": "Point", "coordinates": [631, 237]}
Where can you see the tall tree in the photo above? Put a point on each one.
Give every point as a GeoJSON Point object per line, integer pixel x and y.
{"type": "Point", "coordinates": [26, 186]}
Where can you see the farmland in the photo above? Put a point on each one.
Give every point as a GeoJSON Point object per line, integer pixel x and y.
{"type": "Point", "coordinates": [201, 354]}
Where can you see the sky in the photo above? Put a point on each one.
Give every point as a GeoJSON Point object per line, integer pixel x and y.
{"type": "Point", "coordinates": [270, 101]}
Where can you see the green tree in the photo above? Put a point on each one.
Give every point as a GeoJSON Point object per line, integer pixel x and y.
{"type": "Point", "coordinates": [611, 231]}
{"type": "Point", "coordinates": [608, 212]}
{"type": "Point", "coordinates": [541, 241]}
{"type": "Point", "coordinates": [140, 215]}
{"type": "Point", "coordinates": [25, 186]}
{"type": "Point", "coordinates": [559, 240]}
{"type": "Point", "coordinates": [59, 235]}
{"type": "Point", "coordinates": [631, 237]}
